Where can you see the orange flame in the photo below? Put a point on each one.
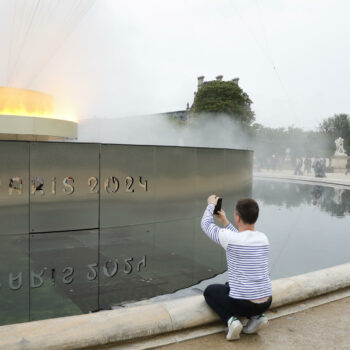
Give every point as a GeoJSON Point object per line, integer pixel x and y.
{"type": "Point", "coordinates": [27, 103]}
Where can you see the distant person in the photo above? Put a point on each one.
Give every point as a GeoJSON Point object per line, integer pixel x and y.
{"type": "Point", "coordinates": [298, 166]}
{"type": "Point", "coordinates": [347, 167]}
{"type": "Point", "coordinates": [319, 168]}
{"type": "Point", "coordinates": [323, 167]}
{"type": "Point", "coordinates": [248, 292]}
{"type": "Point", "coordinates": [307, 165]}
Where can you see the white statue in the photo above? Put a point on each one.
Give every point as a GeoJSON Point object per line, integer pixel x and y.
{"type": "Point", "coordinates": [339, 144]}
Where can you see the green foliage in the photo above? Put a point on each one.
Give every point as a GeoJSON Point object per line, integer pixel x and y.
{"type": "Point", "coordinates": [319, 143]}
{"type": "Point", "coordinates": [174, 121]}
{"type": "Point", "coordinates": [224, 97]}
{"type": "Point", "coordinates": [337, 126]}
{"type": "Point", "coordinates": [300, 142]}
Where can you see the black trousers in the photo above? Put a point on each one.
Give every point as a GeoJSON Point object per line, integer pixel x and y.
{"type": "Point", "coordinates": [217, 297]}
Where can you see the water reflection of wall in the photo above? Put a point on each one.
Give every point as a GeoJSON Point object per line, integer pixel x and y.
{"type": "Point", "coordinates": [85, 226]}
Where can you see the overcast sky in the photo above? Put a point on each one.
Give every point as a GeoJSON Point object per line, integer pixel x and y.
{"type": "Point", "coordinates": [137, 57]}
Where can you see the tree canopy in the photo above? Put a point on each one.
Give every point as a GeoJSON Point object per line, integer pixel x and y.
{"type": "Point", "coordinates": [219, 97]}
{"type": "Point", "coordinates": [337, 126]}
{"type": "Point", "coordinates": [300, 142]}
{"type": "Point", "coordinates": [224, 97]}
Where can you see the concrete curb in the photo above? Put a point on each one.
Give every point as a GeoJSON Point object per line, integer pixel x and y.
{"type": "Point", "coordinates": [77, 332]}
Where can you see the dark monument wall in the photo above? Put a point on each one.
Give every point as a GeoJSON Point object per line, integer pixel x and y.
{"type": "Point", "coordinates": [86, 226]}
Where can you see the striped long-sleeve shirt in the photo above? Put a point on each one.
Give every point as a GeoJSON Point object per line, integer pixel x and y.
{"type": "Point", "coordinates": [247, 255]}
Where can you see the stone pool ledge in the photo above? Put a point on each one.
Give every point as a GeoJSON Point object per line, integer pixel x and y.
{"type": "Point", "coordinates": [146, 321]}
{"type": "Point", "coordinates": [338, 179]}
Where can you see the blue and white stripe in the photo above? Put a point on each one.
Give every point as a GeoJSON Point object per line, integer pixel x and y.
{"type": "Point", "coordinates": [247, 255]}
{"type": "Point", "coordinates": [208, 226]}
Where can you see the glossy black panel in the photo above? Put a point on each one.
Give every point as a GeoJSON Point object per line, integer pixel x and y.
{"type": "Point", "coordinates": [14, 278]}
{"type": "Point", "coordinates": [172, 260]}
{"type": "Point", "coordinates": [238, 170]}
{"type": "Point", "coordinates": [210, 175]}
{"type": "Point", "coordinates": [64, 276]}
{"type": "Point", "coordinates": [14, 187]}
{"type": "Point", "coordinates": [125, 272]}
{"type": "Point", "coordinates": [128, 185]}
{"type": "Point", "coordinates": [237, 179]}
{"type": "Point", "coordinates": [208, 256]}
{"type": "Point", "coordinates": [107, 224]}
{"type": "Point", "coordinates": [176, 183]}
{"type": "Point", "coordinates": [142, 261]}
{"type": "Point", "coordinates": [64, 192]}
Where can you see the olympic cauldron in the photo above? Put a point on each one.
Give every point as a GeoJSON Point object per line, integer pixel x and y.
{"type": "Point", "coordinates": [85, 226]}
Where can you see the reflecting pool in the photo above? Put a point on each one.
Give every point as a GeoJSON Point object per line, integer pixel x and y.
{"type": "Point", "coordinates": [307, 225]}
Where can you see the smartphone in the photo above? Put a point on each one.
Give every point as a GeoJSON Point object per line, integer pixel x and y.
{"type": "Point", "coordinates": [218, 206]}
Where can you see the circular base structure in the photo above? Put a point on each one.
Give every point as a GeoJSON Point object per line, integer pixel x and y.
{"type": "Point", "coordinates": [13, 127]}
{"type": "Point", "coordinates": [30, 115]}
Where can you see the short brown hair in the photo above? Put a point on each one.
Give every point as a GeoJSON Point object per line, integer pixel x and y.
{"type": "Point", "coordinates": [248, 210]}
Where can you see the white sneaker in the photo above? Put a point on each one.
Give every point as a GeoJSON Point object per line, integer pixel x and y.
{"type": "Point", "coordinates": [255, 324]}
{"type": "Point", "coordinates": [234, 328]}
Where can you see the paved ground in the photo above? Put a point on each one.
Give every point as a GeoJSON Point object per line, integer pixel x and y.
{"type": "Point", "coordinates": [337, 177]}
{"type": "Point", "coordinates": [323, 327]}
